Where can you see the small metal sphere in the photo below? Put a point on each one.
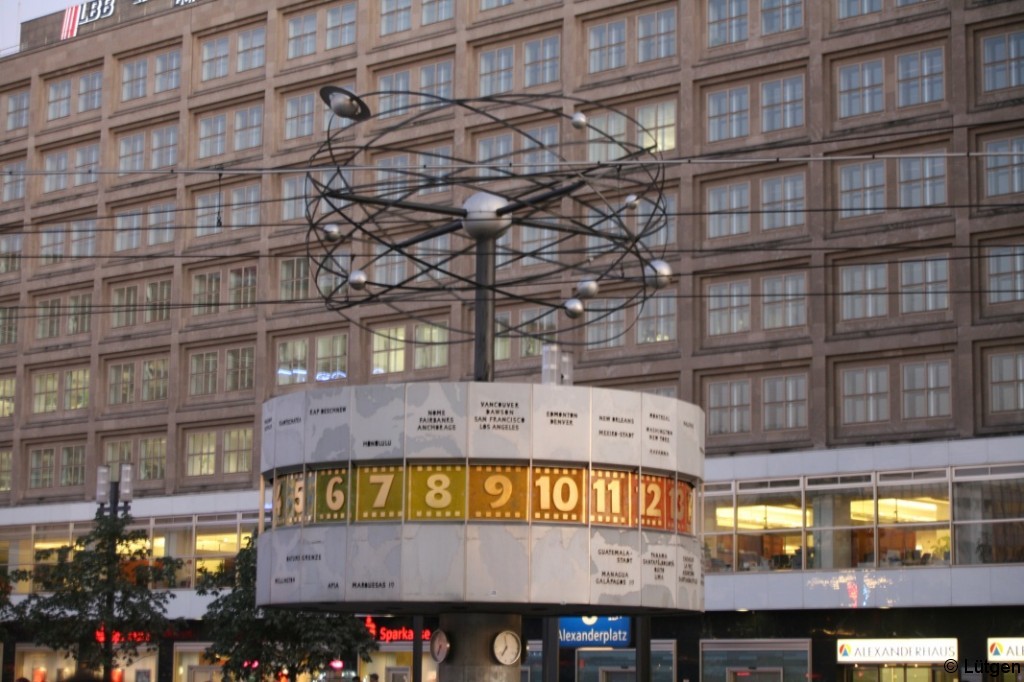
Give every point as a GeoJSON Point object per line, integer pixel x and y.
{"type": "Point", "coordinates": [632, 201]}
{"type": "Point", "coordinates": [574, 308]}
{"type": "Point", "coordinates": [482, 219]}
{"type": "Point", "coordinates": [579, 120]}
{"type": "Point", "coordinates": [332, 232]}
{"type": "Point", "coordinates": [357, 279]}
{"type": "Point", "coordinates": [658, 274]}
{"type": "Point", "coordinates": [587, 288]}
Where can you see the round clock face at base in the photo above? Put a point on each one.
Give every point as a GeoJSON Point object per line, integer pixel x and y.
{"type": "Point", "coordinates": [507, 647]}
{"type": "Point", "coordinates": [439, 645]}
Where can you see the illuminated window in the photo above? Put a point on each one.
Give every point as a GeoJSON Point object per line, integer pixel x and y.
{"type": "Point", "coordinates": [656, 322]}
{"type": "Point", "coordinates": [431, 349]}
{"type": "Point", "coordinates": [240, 370]}
{"type": "Point", "coordinates": [72, 465]}
{"type": "Point", "coordinates": [537, 326]}
{"type": "Point", "coordinates": [202, 373]}
{"type": "Point", "coordinates": [388, 350]}
{"type": "Point", "coordinates": [152, 458]}
{"type": "Point", "coordinates": [201, 453]}
{"type": "Point", "coordinates": [8, 396]}
{"type": "Point", "coordinates": [40, 467]}
{"type": "Point", "coordinates": [293, 278]}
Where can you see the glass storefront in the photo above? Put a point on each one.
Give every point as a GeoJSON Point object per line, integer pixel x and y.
{"type": "Point", "coordinates": [897, 673]}
{"type": "Point", "coordinates": [777, 660]}
{"type": "Point", "coordinates": [40, 664]}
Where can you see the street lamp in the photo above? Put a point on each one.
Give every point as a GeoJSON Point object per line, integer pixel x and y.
{"type": "Point", "coordinates": [111, 494]}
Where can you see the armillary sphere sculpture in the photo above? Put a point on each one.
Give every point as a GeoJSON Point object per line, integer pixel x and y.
{"type": "Point", "coordinates": [552, 192]}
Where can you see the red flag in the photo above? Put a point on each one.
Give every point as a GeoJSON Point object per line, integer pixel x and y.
{"type": "Point", "coordinates": [70, 27]}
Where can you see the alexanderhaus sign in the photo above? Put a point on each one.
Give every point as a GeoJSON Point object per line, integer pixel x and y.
{"type": "Point", "coordinates": [936, 650]}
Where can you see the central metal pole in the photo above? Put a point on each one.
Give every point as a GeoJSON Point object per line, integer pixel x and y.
{"type": "Point", "coordinates": [483, 338]}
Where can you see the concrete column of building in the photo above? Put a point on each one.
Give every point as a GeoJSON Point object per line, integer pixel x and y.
{"type": "Point", "coordinates": [472, 656]}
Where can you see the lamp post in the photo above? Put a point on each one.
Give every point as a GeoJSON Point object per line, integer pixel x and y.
{"type": "Point", "coordinates": [112, 494]}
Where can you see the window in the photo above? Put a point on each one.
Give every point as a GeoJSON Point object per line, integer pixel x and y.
{"type": "Point", "coordinates": [127, 229]}
{"type": "Point", "coordinates": [90, 92]}
{"type": "Point", "coordinates": [87, 162]}
{"type": "Point", "coordinates": [728, 114]}
{"type": "Point", "coordinates": [8, 324]}
{"type": "Point", "coordinates": [1005, 273]}
{"type": "Point", "coordinates": [496, 70]}
{"type": "Point", "coordinates": [606, 46]}
{"type": "Point", "coordinates": [492, 4]}
{"type": "Point", "coordinates": [537, 326]}
{"type": "Point", "coordinates": [158, 301]}
{"type": "Point", "coordinates": [167, 71]}
{"type": "Point", "coordinates": [436, 79]}
{"type": "Point", "coordinates": [729, 308]}
{"type": "Point", "coordinates": [434, 11]}
{"type": "Point", "coordinates": [395, 98]}
{"type": "Point", "coordinates": [240, 372]}
{"type": "Point", "coordinates": [606, 323]}
{"type": "Point", "coordinates": [72, 465]}
{"type": "Point", "coordinates": [431, 350]}
{"type": "Point", "coordinates": [8, 396]}
{"type": "Point", "coordinates": [1006, 382]}
{"type": "Point", "coordinates": [387, 351]}
{"type": "Point", "coordinates": [152, 457]}
{"type": "Point", "coordinates": [328, 361]}
{"type": "Point", "coordinates": [10, 253]}
{"type": "Point", "coordinates": [729, 209]}
{"type": "Point", "coordinates": [861, 188]}
{"type": "Point", "coordinates": [230, 445]}
{"type": "Point", "coordinates": [784, 301]}
{"type": "Point", "coordinates": [341, 25]}
{"type": "Point", "coordinates": [1004, 166]}
{"type": "Point", "coordinates": [6, 469]}
{"type": "Point", "coordinates": [782, 201]}
{"type": "Point", "coordinates": [864, 291]}
{"type": "Point", "coordinates": [778, 16]}
{"type": "Point", "coordinates": [922, 181]}
{"type": "Point", "coordinates": [60, 390]}
{"type": "Point", "coordinates": [56, 166]}
{"type": "Point", "coordinates": [656, 35]}
{"type": "Point", "coordinates": [250, 49]}
{"type": "Point", "coordinates": [131, 152]}
{"type": "Point", "coordinates": [155, 375]}
{"type": "Point", "coordinates": [301, 35]}
{"type": "Point", "coordinates": [924, 285]}
{"type": "Point", "coordinates": [656, 321]}
{"type": "Point", "coordinates": [785, 402]}
{"type": "Point", "coordinates": [120, 383]}
{"type": "Point", "coordinates": [865, 395]}
{"type": "Point", "coordinates": [299, 116]}
{"type": "Point", "coordinates": [17, 110]}
{"type": "Point", "coordinates": [202, 373]}
{"type": "Point", "coordinates": [727, 22]}
{"type": "Point", "coordinates": [164, 146]}
{"type": "Point", "coordinates": [395, 16]}
{"type": "Point", "coordinates": [920, 77]}
{"type": "Point", "coordinates": [40, 467]}
{"type": "Point", "coordinates": [212, 136]}
{"type": "Point", "coordinates": [854, 8]}
{"type": "Point", "coordinates": [658, 125]}
{"type": "Point", "coordinates": [133, 79]}
{"type": "Point", "coordinates": [63, 315]}
{"type": "Point", "coordinates": [861, 89]}
{"type": "Point", "coordinates": [13, 181]}
{"type": "Point", "coordinates": [926, 390]}
{"type": "Point", "coordinates": [729, 407]}
{"type": "Point", "coordinates": [215, 58]}
{"type": "Point", "coordinates": [542, 60]}
{"type": "Point", "coordinates": [58, 99]}
{"type": "Point", "coordinates": [1003, 61]}
{"type": "Point", "coordinates": [124, 303]}
{"type": "Point", "coordinates": [293, 197]}
{"type": "Point", "coordinates": [205, 293]}
{"type": "Point", "coordinates": [782, 104]}
{"type": "Point", "coordinates": [293, 278]}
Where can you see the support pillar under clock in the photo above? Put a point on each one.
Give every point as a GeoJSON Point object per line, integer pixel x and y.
{"type": "Point", "coordinates": [472, 654]}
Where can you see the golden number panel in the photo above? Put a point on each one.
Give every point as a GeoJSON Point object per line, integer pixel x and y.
{"type": "Point", "coordinates": [437, 492]}
{"type": "Point", "coordinates": [420, 491]}
{"type": "Point", "coordinates": [498, 492]}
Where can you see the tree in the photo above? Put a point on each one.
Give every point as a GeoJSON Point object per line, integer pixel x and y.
{"type": "Point", "coordinates": [96, 599]}
{"type": "Point", "coordinates": [263, 643]}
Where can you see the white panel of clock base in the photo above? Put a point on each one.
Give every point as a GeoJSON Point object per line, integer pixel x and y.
{"type": "Point", "coordinates": [614, 566]}
{"type": "Point", "coordinates": [322, 562]}
{"type": "Point", "coordinates": [658, 570]}
{"type": "Point", "coordinates": [290, 429]}
{"type": "Point", "coordinates": [497, 562]}
{"type": "Point", "coordinates": [689, 574]}
{"type": "Point", "coordinates": [328, 417]}
{"type": "Point", "coordinates": [374, 562]}
{"type": "Point", "coordinates": [435, 420]}
{"type": "Point", "coordinates": [285, 578]}
{"type": "Point", "coordinates": [433, 561]}
{"type": "Point", "coordinates": [559, 565]}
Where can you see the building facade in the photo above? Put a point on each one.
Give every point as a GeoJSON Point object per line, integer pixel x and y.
{"type": "Point", "coordinates": [845, 179]}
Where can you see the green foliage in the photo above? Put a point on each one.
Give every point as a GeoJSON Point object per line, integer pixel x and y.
{"type": "Point", "coordinates": [104, 582]}
{"type": "Point", "coordinates": [280, 639]}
